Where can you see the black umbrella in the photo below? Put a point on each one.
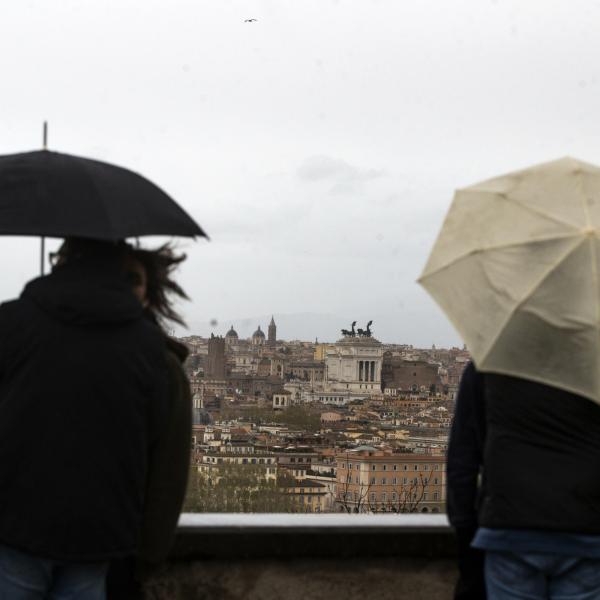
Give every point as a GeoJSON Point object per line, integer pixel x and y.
{"type": "Point", "coordinates": [58, 195]}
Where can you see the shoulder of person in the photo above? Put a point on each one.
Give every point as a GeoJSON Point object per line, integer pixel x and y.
{"type": "Point", "coordinates": [176, 349]}
{"type": "Point", "coordinates": [12, 310]}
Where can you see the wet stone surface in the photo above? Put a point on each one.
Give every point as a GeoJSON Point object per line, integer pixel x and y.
{"type": "Point", "coordinates": [305, 579]}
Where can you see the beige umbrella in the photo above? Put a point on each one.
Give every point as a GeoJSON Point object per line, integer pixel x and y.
{"type": "Point", "coordinates": [516, 268]}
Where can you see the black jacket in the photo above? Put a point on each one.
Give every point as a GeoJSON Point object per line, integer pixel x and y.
{"type": "Point", "coordinates": [82, 400]}
{"type": "Point", "coordinates": [169, 464]}
{"type": "Point", "coordinates": [541, 457]}
{"type": "Point", "coordinates": [465, 450]}
{"type": "Point", "coordinates": [464, 477]}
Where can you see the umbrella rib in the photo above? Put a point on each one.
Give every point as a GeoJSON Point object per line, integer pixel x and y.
{"type": "Point", "coordinates": [527, 207]}
{"type": "Point", "coordinates": [499, 247]}
{"type": "Point", "coordinates": [595, 275]}
{"type": "Point", "coordinates": [594, 260]}
{"type": "Point", "coordinates": [584, 204]}
{"type": "Point", "coordinates": [527, 296]}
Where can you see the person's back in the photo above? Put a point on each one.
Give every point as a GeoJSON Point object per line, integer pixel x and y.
{"type": "Point", "coordinates": [540, 515]}
{"type": "Point", "coordinates": [82, 397]}
{"type": "Point", "coordinates": [542, 454]}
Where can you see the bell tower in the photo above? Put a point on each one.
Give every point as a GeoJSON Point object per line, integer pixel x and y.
{"type": "Point", "coordinates": [272, 337]}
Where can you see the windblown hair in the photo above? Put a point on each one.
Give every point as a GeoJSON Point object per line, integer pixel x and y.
{"type": "Point", "coordinates": [159, 265]}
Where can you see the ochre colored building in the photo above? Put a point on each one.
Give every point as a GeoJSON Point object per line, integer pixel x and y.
{"type": "Point", "coordinates": [371, 480]}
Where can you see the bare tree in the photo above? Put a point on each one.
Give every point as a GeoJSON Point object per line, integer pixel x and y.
{"type": "Point", "coordinates": [353, 497]}
{"type": "Point", "coordinates": [407, 497]}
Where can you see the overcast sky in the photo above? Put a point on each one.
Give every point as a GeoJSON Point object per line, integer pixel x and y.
{"type": "Point", "coordinates": [318, 146]}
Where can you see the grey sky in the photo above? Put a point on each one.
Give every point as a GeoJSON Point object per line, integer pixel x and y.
{"type": "Point", "coordinates": [319, 146]}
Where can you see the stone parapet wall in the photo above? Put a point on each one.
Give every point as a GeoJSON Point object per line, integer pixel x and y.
{"type": "Point", "coordinates": [306, 579]}
{"type": "Point", "coordinates": [308, 557]}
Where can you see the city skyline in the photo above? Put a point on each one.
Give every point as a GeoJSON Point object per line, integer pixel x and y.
{"type": "Point", "coordinates": [306, 327]}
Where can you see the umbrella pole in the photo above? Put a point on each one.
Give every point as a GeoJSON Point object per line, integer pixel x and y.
{"type": "Point", "coordinates": [43, 240]}
{"type": "Point", "coordinates": [42, 253]}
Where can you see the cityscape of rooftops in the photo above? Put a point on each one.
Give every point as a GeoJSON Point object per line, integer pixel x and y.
{"type": "Point", "coordinates": [351, 426]}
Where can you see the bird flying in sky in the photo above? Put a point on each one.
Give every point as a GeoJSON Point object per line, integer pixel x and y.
{"type": "Point", "coordinates": [250, 20]}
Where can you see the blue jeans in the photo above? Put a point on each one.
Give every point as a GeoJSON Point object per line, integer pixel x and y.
{"type": "Point", "coordinates": [27, 577]}
{"type": "Point", "coordinates": [512, 575]}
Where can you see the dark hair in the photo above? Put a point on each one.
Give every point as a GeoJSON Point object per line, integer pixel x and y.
{"type": "Point", "coordinates": [75, 248]}
{"type": "Point", "coordinates": [159, 264]}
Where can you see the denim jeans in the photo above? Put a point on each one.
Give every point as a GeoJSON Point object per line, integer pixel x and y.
{"type": "Point", "coordinates": [27, 577]}
{"type": "Point", "coordinates": [512, 575]}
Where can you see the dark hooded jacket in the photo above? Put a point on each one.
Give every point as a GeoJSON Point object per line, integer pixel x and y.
{"type": "Point", "coordinates": [541, 457]}
{"type": "Point", "coordinates": [169, 464]}
{"type": "Point", "coordinates": [541, 449]}
{"type": "Point", "coordinates": [82, 401]}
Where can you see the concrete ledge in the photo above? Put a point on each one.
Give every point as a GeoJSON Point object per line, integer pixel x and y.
{"type": "Point", "coordinates": [311, 536]}
{"type": "Point", "coordinates": [308, 557]}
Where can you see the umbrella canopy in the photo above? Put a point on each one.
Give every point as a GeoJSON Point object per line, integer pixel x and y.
{"type": "Point", "coordinates": [58, 195]}
{"type": "Point", "coordinates": [516, 268]}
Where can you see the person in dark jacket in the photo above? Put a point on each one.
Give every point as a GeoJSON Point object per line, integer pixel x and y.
{"type": "Point", "coordinates": [464, 475]}
{"type": "Point", "coordinates": [150, 272]}
{"type": "Point", "coordinates": [83, 399]}
{"type": "Point", "coordinates": [539, 520]}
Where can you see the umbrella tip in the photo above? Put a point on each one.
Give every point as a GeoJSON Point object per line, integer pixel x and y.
{"type": "Point", "coordinates": [45, 136]}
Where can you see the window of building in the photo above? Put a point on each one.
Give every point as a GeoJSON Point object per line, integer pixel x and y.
{"type": "Point", "coordinates": [372, 480]}
{"type": "Point", "coordinates": [384, 481]}
{"type": "Point", "coordinates": [435, 495]}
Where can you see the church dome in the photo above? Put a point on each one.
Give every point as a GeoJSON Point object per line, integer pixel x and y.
{"type": "Point", "coordinates": [232, 333]}
{"type": "Point", "coordinates": [258, 333]}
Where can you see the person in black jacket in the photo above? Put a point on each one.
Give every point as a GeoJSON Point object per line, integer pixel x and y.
{"type": "Point", "coordinates": [150, 273]}
{"type": "Point", "coordinates": [464, 474]}
{"type": "Point", "coordinates": [539, 520]}
{"type": "Point", "coordinates": [83, 397]}
{"type": "Point", "coordinates": [521, 464]}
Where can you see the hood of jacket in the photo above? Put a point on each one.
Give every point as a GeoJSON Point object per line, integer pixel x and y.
{"type": "Point", "coordinates": [85, 293]}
